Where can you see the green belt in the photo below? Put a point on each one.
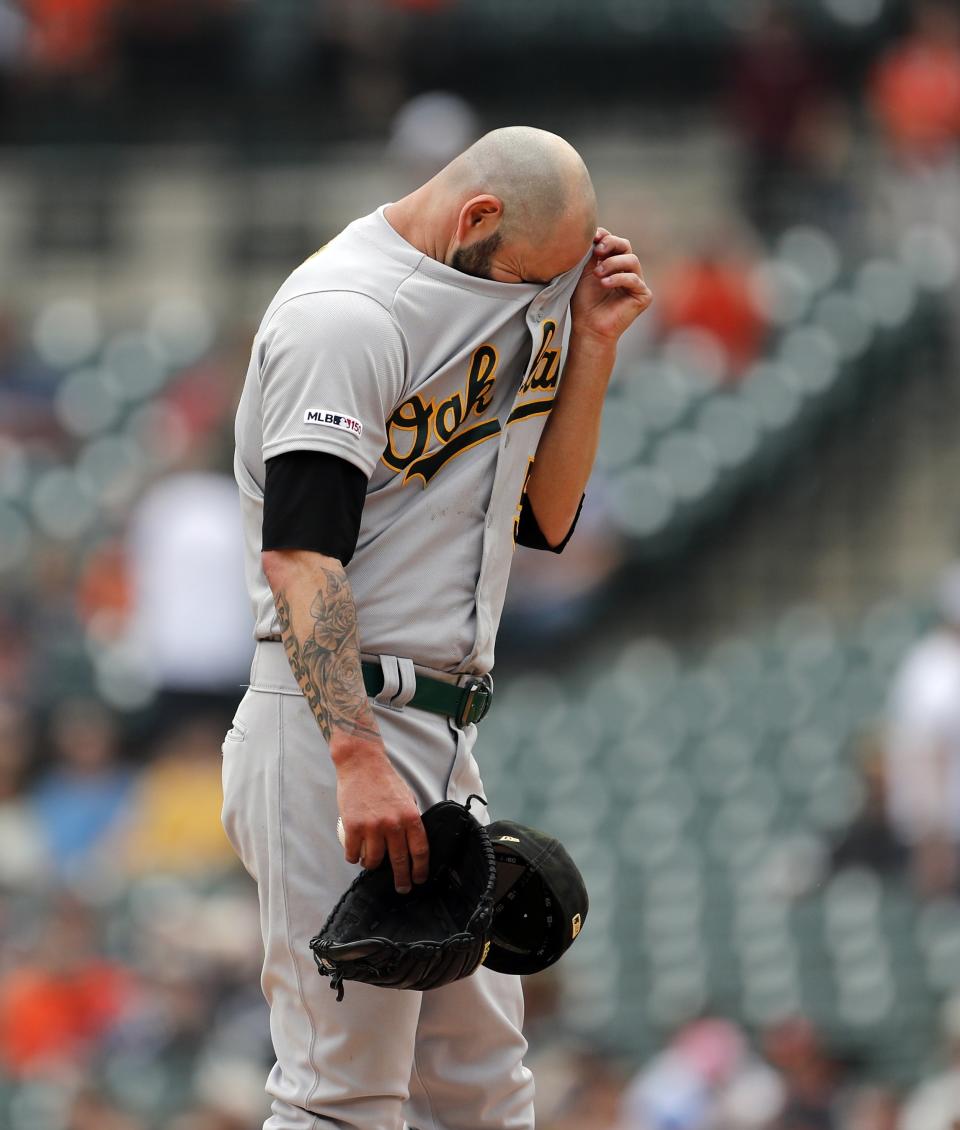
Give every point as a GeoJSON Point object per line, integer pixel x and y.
{"type": "Point", "coordinates": [464, 704]}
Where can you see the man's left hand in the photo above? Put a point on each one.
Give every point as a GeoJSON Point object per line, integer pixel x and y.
{"type": "Point", "coordinates": [611, 291]}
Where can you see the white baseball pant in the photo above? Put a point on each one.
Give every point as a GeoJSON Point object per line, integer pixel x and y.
{"type": "Point", "coordinates": [383, 1059]}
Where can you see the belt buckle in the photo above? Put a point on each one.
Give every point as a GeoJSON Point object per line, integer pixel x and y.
{"type": "Point", "coordinates": [471, 689]}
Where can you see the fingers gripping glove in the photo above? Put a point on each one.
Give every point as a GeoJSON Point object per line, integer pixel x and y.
{"type": "Point", "coordinates": [436, 934]}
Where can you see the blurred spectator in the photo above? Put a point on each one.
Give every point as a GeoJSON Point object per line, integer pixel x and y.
{"type": "Point", "coordinates": [14, 655]}
{"type": "Point", "coordinates": [231, 1090]}
{"type": "Point", "coordinates": [915, 94]}
{"type": "Point", "coordinates": [181, 38]}
{"type": "Point", "coordinates": [706, 1077]}
{"type": "Point", "coordinates": [820, 192]}
{"type": "Point", "coordinates": [203, 398]}
{"type": "Point", "coordinates": [92, 1111]}
{"type": "Point", "coordinates": [24, 859]}
{"type": "Point", "coordinates": [103, 590]}
{"type": "Point", "coordinates": [810, 1076]}
{"type": "Point", "coordinates": [83, 797]}
{"type": "Point", "coordinates": [170, 1035]}
{"type": "Point", "coordinates": [935, 1103]}
{"type": "Point", "coordinates": [577, 1085]}
{"type": "Point", "coordinates": [58, 663]}
{"type": "Point", "coordinates": [420, 5]}
{"type": "Point", "coordinates": [171, 1026]}
{"type": "Point", "coordinates": [923, 747]}
{"type": "Point", "coordinates": [372, 37]}
{"type": "Point", "coordinates": [873, 1107]}
{"type": "Point", "coordinates": [595, 1088]}
{"type": "Point", "coordinates": [548, 602]}
{"type": "Point", "coordinates": [430, 130]}
{"type": "Point", "coordinates": [205, 1119]}
{"type": "Point", "coordinates": [775, 80]}
{"type": "Point", "coordinates": [710, 291]}
{"type": "Point", "coordinates": [69, 38]}
{"type": "Point", "coordinates": [173, 822]}
{"type": "Point", "coordinates": [191, 624]}
{"type": "Point", "coordinates": [870, 841]}
{"type": "Point", "coordinates": [13, 35]}
{"type": "Point", "coordinates": [915, 89]}
{"type": "Point", "coordinates": [27, 388]}
{"type": "Point", "coordinates": [62, 998]}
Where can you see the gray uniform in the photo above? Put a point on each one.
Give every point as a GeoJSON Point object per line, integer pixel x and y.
{"type": "Point", "coordinates": [437, 386]}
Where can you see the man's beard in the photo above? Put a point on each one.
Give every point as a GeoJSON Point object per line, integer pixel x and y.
{"type": "Point", "coordinates": [475, 259]}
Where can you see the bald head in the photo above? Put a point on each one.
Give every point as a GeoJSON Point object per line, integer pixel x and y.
{"type": "Point", "coordinates": [517, 206]}
{"type": "Point", "coordinates": [540, 179]}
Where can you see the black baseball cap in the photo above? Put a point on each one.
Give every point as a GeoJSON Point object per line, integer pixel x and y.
{"type": "Point", "coordinates": [540, 899]}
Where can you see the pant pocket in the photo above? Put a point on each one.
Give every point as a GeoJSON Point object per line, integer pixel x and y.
{"type": "Point", "coordinates": [234, 753]}
{"type": "Point", "coordinates": [235, 735]}
{"type": "Point", "coordinates": [464, 776]}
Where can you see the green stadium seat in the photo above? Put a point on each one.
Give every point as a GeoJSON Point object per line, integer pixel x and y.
{"type": "Point", "coordinates": [887, 291]}
{"type": "Point", "coordinates": [650, 833]}
{"type": "Point", "coordinates": [783, 290]}
{"type": "Point", "coordinates": [887, 630]}
{"type": "Point", "coordinates": [930, 259]}
{"type": "Point", "coordinates": [661, 393]}
{"type": "Point", "coordinates": [722, 764]}
{"type": "Point", "coordinates": [813, 253]}
{"type": "Point", "coordinates": [836, 796]}
{"type": "Point", "coordinates": [624, 433]}
{"type": "Point", "coordinates": [729, 425]}
{"type": "Point", "coordinates": [688, 462]}
{"type": "Point", "coordinates": [847, 320]}
{"type": "Point", "coordinates": [643, 501]}
{"type": "Point", "coordinates": [812, 356]}
{"type": "Point", "coordinates": [773, 391]}
{"type": "Point", "coordinates": [705, 698]}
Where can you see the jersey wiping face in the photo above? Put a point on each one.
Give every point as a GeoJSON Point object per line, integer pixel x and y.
{"type": "Point", "coordinates": [436, 385]}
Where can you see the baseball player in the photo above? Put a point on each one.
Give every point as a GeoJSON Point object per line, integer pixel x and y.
{"type": "Point", "coordinates": [403, 425]}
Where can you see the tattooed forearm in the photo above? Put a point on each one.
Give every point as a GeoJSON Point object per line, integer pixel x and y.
{"type": "Point", "coordinates": [324, 655]}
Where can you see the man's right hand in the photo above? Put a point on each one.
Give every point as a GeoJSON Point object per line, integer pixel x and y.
{"type": "Point", "coordinates": [379, 813]}
{"type": "Point", "coordinates": [318, 622]}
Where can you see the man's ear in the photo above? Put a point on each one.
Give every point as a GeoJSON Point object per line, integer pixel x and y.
{"type": "Point", "coordinates": [479, 218]}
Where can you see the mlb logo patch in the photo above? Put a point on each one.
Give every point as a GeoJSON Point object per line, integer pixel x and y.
{"type": "Point", "coordinates": [338, 420]}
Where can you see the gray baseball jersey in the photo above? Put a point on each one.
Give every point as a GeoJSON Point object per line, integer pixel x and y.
{"type": "Point", "coordinates": [437, 386]}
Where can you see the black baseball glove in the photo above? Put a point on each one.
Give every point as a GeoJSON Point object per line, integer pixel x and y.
{"type": "Point", "coordinates": [436, 934]}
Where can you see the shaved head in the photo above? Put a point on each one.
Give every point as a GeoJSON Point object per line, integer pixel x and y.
{"type": "Point", "coordinates": [517, 206]}
{"type": "Point", "coordinates": [539, 177]}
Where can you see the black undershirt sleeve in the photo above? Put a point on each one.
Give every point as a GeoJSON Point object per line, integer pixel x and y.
{"type": "Point", "coordinates": [313, 500]}
{"type": "Point", "coordinates": [529, 534]}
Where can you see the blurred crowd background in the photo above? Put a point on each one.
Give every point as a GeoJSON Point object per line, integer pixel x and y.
{"type": "Point", "coordinates": [735, 697]}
